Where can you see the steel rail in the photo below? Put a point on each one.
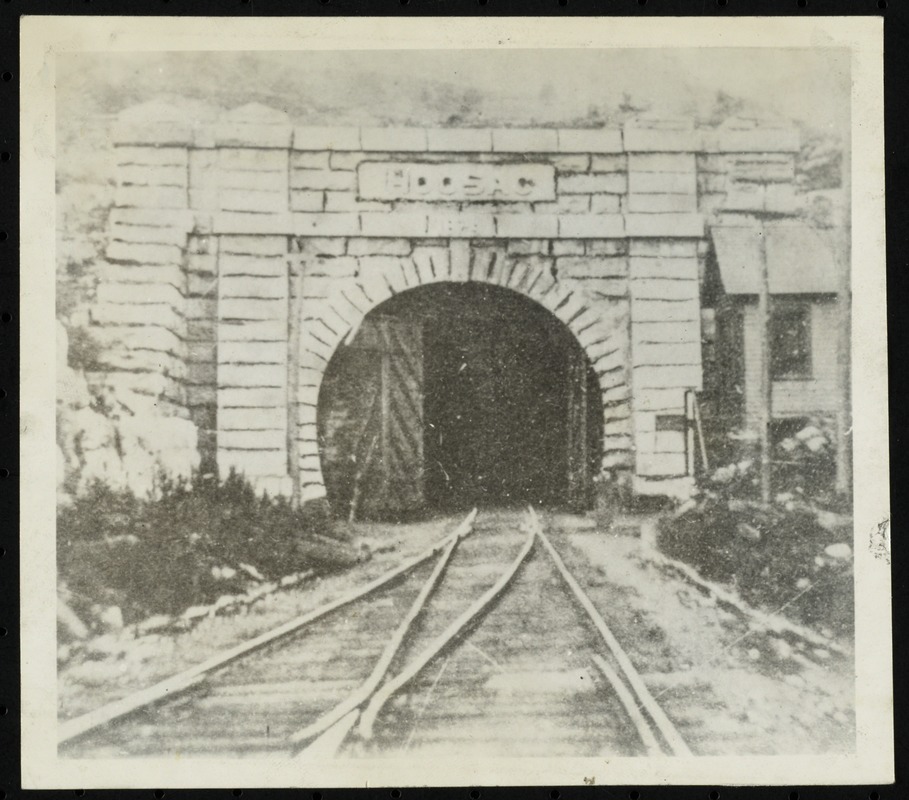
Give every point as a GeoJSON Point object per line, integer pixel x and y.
{"type": "Point", "coordinates": [363, 692]}
{"type": "Point", "coordinates": [630, 705]}
{"type": "Point", "coordinates": [188, 678]}
{"type": "Point", "coordinates": [663, 723]}
{"type": "Point", "coordinates": [328, 744]}
{"type": "Point", "coordinates": [443, 640]}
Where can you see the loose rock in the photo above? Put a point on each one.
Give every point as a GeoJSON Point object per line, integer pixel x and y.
{"type": "Point", "coordinates": [155, 623]}
{"type": "Point", "coordinates": [781, 649]}
{"type": "Point", "coordinates": [111, 618]}
{"type": "Point", "coordinates": [840, 551]}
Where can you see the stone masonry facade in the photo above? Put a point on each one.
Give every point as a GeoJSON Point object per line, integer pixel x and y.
{"type": "Point", "coordinates": [244, 250]}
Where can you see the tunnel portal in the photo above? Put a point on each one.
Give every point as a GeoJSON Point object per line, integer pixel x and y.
{"type": "Point", "coordinates": [454, 395]}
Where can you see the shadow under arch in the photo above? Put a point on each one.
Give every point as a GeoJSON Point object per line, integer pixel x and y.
{"type": "Point", "coordinates": [595, 329]}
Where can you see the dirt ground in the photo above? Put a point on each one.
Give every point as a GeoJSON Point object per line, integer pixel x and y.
{"type": "Point", "coordinates": [729, 690]}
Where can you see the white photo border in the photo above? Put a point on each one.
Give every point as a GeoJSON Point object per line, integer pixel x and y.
{"type": "Point", "coordinates": [43, 39]}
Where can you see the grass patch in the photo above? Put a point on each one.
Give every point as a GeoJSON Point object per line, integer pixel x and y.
{"type": "Point", "coordinates": [189, 544]}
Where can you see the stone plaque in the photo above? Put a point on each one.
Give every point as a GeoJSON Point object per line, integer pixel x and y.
{"type": "Point", "coordinates": [456, 182]}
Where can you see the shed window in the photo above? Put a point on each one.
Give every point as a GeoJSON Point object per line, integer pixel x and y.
{"type": "Point", "coordinates": [790, 341]}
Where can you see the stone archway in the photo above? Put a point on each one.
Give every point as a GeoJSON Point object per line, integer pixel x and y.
{"type": "Point", "coordinates": [600, 328]}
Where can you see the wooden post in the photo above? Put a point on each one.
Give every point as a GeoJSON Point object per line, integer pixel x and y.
{"type": "Point", "coordinates": [842, 255]}
{"type": "Point", "coordinates": [364, 460]}
{"type": "Point", "coordinates": [295, 322]}
{"type": "Point", "coordinates": [700, 428]}
{"type": "Point", "coordinates": [578, 466]}
{"type": "Point", "coordinates": [362, 467]}
{"type": "Point", "coordinates": [385, 419]}
{"type": "Point", "coordinates": [583, 478]}
{"type": "Point", "coordinates": [764, 407]}
{"type": "Point", "coordinates": [689, 432]}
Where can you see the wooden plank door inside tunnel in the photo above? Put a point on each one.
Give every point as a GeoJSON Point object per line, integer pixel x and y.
{"type": "Point", "coordinates": [454, 395]}
{"type": "Point", "coordinates": [371, 420]}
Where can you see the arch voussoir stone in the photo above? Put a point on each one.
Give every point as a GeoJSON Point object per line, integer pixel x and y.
{"type": "Point", "coordinates": [515, 275]}
{"type": "Point", "coordinates": [590, 316]}
{"type": "Point", "coordinates": [307, 359]}
{"type": "Point", "coordinates": [353, 293]}
{"type": "Point", "coordinates": [325, 316]}
{"type": "Point", "coordinates": [375, 286]}
{"type": "Point", "coordinates": [394, 276]}
{"type": "Point", "coordinates": [422, 263]}
{"type": "Point", "coordinates": [608, 362]}
{"type": "Point", "coordinates": [411, 274]}
{"type": "Point", "coordinates": [575, 305]}
{"type": "Point", "coordinates": [309, 376]}
{"type": "Point", "coordinates": [350, 314]}
{"type": "Point", "coordinates": [319, 345]}
{"type": "Point", "coordinates": [540, 284]}
{"type": "Point", "coordinates": [307, 395]}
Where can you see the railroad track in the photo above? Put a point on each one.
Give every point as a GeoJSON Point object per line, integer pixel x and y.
{"type": "Point", "coordinates": [484, 643]}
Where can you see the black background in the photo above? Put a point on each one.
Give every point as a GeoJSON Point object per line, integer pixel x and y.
{"type": "Point", "coordinates": [896, 46]}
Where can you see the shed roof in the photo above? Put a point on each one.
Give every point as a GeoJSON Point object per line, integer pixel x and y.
{"type": "Point", "coordinates": [799, 260]}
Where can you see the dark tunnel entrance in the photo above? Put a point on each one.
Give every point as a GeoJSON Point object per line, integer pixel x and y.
{"type": "Point", "coordinates": [453, 395]}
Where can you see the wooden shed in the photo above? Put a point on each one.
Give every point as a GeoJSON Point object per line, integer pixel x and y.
{"type": "Point", "coordinates": [803, 322]}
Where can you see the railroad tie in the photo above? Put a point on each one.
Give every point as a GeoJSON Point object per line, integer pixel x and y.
{"type": "Point", "coordinates": [663, 723]}
{"type": "Point", "coordinates": [344, 710]}
{"type": "Point", "coordinates": [383, 695]}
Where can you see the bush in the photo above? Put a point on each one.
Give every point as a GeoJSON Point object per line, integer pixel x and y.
{"type": "Point", "coordinates": [775, 558]}
{"type": "Point", "coordinates": [792, 555]}
{"type": "Point", "coordinates": [806, 460]}
{"type": "Point", "coordinates": [802, 457]}
{"type": "Point", "coordinates": [190, 543]}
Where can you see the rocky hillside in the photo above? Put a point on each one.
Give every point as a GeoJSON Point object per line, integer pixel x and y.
{"type": "Point", "coordinates": [106, 436]}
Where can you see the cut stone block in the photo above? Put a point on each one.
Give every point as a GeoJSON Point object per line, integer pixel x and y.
{"type": "Point", "coordinates": [459, 140]}
{"type": "Point", "coordinates": [254, 160]}
{"type": "Point", "coordinates": [526, 226]}
{"type": "Point", "coordinates": [302, 200]}
{"type": "Point", "coordinates": [392, 140]}
{"type": "Point", "coordinates": [662, 162]}
{"type": "Point", "coordinates": [664, 226]}
{"type": "Point", "coordinates": [594, 140]}
{"type": "Point", "coordinates": [326, 138]}
{"type": "Point", "coordinates": [323, 179]}
{"type": "Point", "coordinates": [151, 156]}
{"type": "Point", "coordinates": [665, 311]}
{"type": "Point", "coordinates": [151, 197]}
{"type": "Point", "coordinates": [525, 140]}
{"type": "Point", "coordinates": [395, 224]}
{"type": "Point", "coordinates": [252, 375]}
{"type": "Point", "coordinates": [253, 463]}
{"type": "Point", "coordinates": [593, 183]}
{"type": "Point", "coordinates": [253, 200]}
{"type": "Point", "coordinates": [249, 309]}
{"type": "Point", "coordinates": [592, 226]}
